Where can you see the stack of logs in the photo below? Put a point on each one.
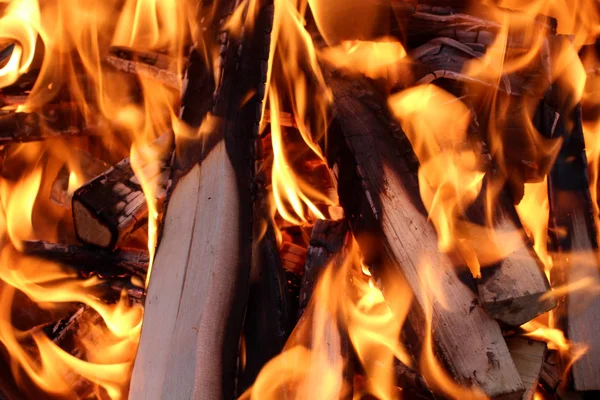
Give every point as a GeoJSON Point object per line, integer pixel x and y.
{"type": "Point", "coordinates": [220, 272]}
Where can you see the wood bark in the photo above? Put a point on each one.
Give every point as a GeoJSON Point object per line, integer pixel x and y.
{"type": "Point", "coordinates": [91, 261]}
{"type": "Point", "coordinates": [198, 287]}
{"type": "Point", "coordinates": [528, 356]}
{"type": "Point", "coordinates": [467, 339]}
{"type": "Point", "coordinates": [113, 205]}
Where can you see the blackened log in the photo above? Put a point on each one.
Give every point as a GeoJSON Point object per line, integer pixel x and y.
{"type": "Point", "coordinates": [54, 121]}
{"type": "Point", "coordinates": [89, 167]}
{"type": "Point", "coordinates": [575, 240]}
{"type": "Point", "coordinates": [469, 341]}
{"type": "Point", "coordinates": [327, 240]}
{"type": "Point", "coordinates": [271, 310]}
{"type": "Point", "coordinates": [515, 290]}
{"type": "Point", "coordinates": [199, 283]}
{"type": "Point", "coordinates": [91, 261]}
{"type": "Point", "coordinates": [113, 205]}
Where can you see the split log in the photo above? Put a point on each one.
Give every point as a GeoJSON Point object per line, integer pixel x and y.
{"type": "Point", "coordinates": [575, 240]}
{"type": "Point", "coordinates": [528, 356]}
{"type": "Point", "coordinates": [326, 241]}
{"type": "Point", "coordinates": [113, 205]}
{"type": "Point", "coordinates": [91, 261]}
{"type": "Point", "coordinates": [469, 342]}
{"type": "Point", "coordinates": [148, 65]}
{"type": "Point", "coordinates": [199, 282]}
{"type": "Point", "coordinates": [579, 265]}
{"type": "Point", "coordinates": [89, 167]}
{"type": "Point", "coordinates": [271, 310]}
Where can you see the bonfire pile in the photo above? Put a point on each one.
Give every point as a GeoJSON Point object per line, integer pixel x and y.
{"type": "Point", "coordinates": [391, 255]}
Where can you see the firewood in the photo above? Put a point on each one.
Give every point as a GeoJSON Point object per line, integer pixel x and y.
{"type": "Point", "coordinates": [293, 257]}
{"type": "Point", "coordinates": [528, 356]}
{"type": "Point", "coordinates": [91, 261]}
{"type": "Point", "coordinates": [112, 205]}
{"type": "Point", "coordinates": [516, 289]}
{"type": "Point", "coordinates": [413, 384]}
{"type": "Point", "coordinates": [199, 282]}
{"type": "Point", "coordinates": [469, 342]}
{"type": "Point", "coordinates": [271, 310]}
{"type": "Point", "coordinates": [55, 121]}
{"type": "Point", "coordinates": [89, 168]}
{"type": "Point", "coordinates": [424, 22]}
{"type": "Point", "coordinates": [579, 264]}
{"type": "Point", "coordinates": [327, 240]}
{"type": "Point", "coordinates": [575, 240]}
{"type": "Point", "coordinates": [147, 65]}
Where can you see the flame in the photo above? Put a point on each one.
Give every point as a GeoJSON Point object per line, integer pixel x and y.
{"type": "Point", "coordinates": [346, 301]}
{"type": "Point", "coordinates": [534, 211]}
{"type": "Point", "coordinates": [66, 41]}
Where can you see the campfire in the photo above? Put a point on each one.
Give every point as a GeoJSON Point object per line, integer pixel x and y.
{"type": "Point", "coordinates": [273, 199]}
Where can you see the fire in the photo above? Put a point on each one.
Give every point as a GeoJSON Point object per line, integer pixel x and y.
{"type": "Point", "coordinates": [66, 42]}
{"type": "Point", "coordinates": [351, 314]}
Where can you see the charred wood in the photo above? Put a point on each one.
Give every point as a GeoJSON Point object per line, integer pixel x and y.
{"type": "Point", "coordinates": [390, 209]}
{"type": "Point", "coordinates": [326, 242]}
{"type": "Point", "coordinates": [577, 260]}
{"type": "Point", "coordinates": [113, 205]}
{"type": "Point", "coordinates": [271, 309]}
{"type": "Point", "coordinates": [92, 261]}
{"type": "Point", "coordinates": [90, 167]}
{"type": "Point", "coordinates": [57, 121]}
{"type": "Point", "coordinates": [148, 65]}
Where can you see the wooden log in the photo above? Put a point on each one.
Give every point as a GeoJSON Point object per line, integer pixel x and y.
{"type": "Point", "coordinates": [113, 205]}
{"type": "Point", "coordinates": [198, 288]}
{"type": "Point", "coordinates": [515, 290]}
{"type": "Point", "coordinates": [91, 261]}
{"type": "Point", "coordinates": [271, 310]}
{"type": "Point", "coordinates": [54, 121]}
{"type": "Point", "coordinates": [575, 241]}
{"type": "Point", "coordinates": [147, 65]}
{"type": "Point", "coordinates": [468, 341]}
{"type": "Point", "coordinates": [327, 240]}
{"type": "Point", "coordinates": [89, 167]}
{"type": "Point", "coordinates": [579, 265]}
{"type": "Point", "coordinates": [528, 356]}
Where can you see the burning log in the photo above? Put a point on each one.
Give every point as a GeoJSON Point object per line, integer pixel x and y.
{"type": "Point", "coordinates": [198, 287]}
{"type": "Point", "coordinates": [577, 266]}
{"type": "Point", "coordinates": [91, 261]}
{"type": "Point", "coordinates": [90, 167]}
{"type": "Point", "coordinates": [112, 205]}
{"type": "Point", "coordinates": [149, 65]}
{"type": "Point", "coordinates": [516, 289]}
{"type": "Point", "coordinates": [271, 311]}
{"type": "Point", "coordinates": [327, 240]}
{"type": "Point", "coordinates": [528, 356]}
{"type": "Point", "coordinates": [468, 340]}
{"type": "Point", "coordinates": [60, 121]}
